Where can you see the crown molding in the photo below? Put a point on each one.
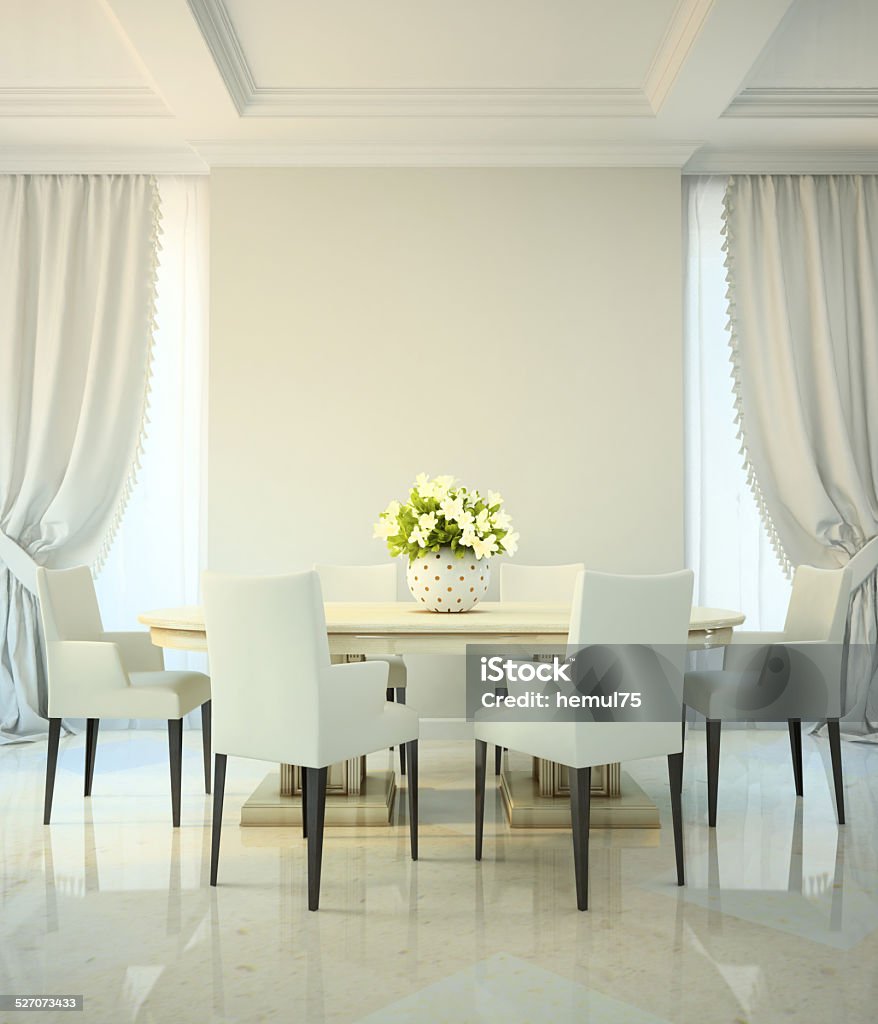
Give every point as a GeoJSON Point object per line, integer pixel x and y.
{"type": "Point", "coordinates": [81, 101]}
{"type": "Point", "coordinates": [783, 161]}
{"type": "Point", "coordinates": [219, 153]}
{"type": "Point", "coordinates": [679, 38]}
{"type": "Point", "coordinates": [100, 160]}
{"type": "Point", "coordinates": [252, 100]}
{"type": "Point", "coordinates": [795, 102]}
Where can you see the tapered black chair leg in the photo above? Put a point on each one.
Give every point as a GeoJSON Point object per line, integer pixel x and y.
{"type": "Point", "coordinates": [714, 725]}
{"type": "Point", "coordinates": [388, 695]}
{"type": "Point", "coordinates": [481, 771]}
{"type": "Point", "coordinates": [675, 780]}
{"type": "Point", "coordinates": [205, 742]}
{"type": "Point", "coordinates": [316, 782]}
{"type": "Point", "coordinates": [837, 777]}
{"type": "Point", "coordinates": [580, 807]}
{"type": "Point", "coordinates": [51, 765]}
{"type": "Point", "coordinates": [411, 749]}
{"type": "Point", "coordinates": [91, 746]}
{"type": "Point", "coordinates": [498, 759]}
{"type": "Point", "coordinates": [400, 699]}
{"type": "Point", "coordinates": [304, 788]}
{"type": "Point", "coordinates": [795, 725]}
{"type": "Point", "coordinates": [683, 730]}
{"type": "Point", "coordinates": [175, 750]}
{"type": "Point", "coordinates": [219, 788]}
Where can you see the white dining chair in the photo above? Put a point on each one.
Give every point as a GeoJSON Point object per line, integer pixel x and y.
{"type": "Point", "coordinates": [794, 674]}
{"type": "Point", "coordinates": [277, 697]}
{"type": "Point", "coordinates": [536, 584]}
{"type": "Point", "coordinates": [94, 674]}
{"type": "Point", "coordinates": [607, 610]}
{"type": "Point", "coordinates": [369, 583]}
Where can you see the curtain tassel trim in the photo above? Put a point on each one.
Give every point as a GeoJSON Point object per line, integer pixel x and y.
{"type": "Point", "coordinates": [735, 363]}
{"type": "Point", "coordinates": [142, 433]}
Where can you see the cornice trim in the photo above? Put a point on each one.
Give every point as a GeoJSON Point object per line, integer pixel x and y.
{"type": "Point", "coordinates": [829, 102]}
{"type": "Point", "coordinates": [783, 161]}
{"type": "Point", "coordinates": [81, 101]}
{"type": "Point", "coordinates": [100, 160]}
{"type": "Point", "coordinates": [679, 38]}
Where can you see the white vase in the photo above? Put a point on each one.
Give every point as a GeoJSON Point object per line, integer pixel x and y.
{"type": "Point", "coordinates": [442, 582]}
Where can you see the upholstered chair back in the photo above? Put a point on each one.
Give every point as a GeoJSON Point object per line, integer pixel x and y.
{"type": "Point", "coordinates": [69, 604]}
{"type": "Point", "coordinates": [267, 644]}
{"type": "Point", "coordinates": [552, 584]}
{"type": "Point", "coordinates": [818, 604]}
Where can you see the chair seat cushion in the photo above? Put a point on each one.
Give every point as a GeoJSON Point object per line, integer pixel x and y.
{"type": "Point", "coordinates": [397, 724]}
{"type": "Point", "coordinates": [150, 695]}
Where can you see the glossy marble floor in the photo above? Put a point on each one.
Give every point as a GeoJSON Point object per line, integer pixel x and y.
{"type": "Point", "coordinates": [778, 922]}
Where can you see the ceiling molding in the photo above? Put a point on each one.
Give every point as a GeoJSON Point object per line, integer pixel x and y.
{"type": "Point", "coordinates": [218, 153]}
{"type": "Point", "coordinates": [799, 102]}
{"type": "Point", "coordinates": [783, 161]}
{"type": "Point", "coordinates": [682, 31]}
{"type": "Point", "coordinates": [81, 101]}
{"type": "Point", "coordinates": [252, 100]}
{"type": "Point", "coordinates": [100, 160]}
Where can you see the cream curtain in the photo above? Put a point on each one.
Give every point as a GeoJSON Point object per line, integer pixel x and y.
{"type": "Point", "coordinates": [802, 271]}
{"type": "Point", "coordinates": [78, 258]}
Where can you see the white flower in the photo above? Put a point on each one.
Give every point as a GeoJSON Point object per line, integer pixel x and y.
{"type": "Point", "coordinates": [473, 498]}
{"type": "Point", "coordinates": [468, 537]}
{"type": "Point", "coordinates": [392, 509]}
{"type": "Point", "coordinates": [452, 509]}
{"type": "Point", "coordinates": [465, 520]}
{"type": "Point", "coordinates": [384, 528]}
{"type": "Point", "coordinates": [510, 543]}
{"type": "Point", "coordinates": [485, 548]}
{"type": "Point", "coordinates": [419, 537]}
{"type": "Point", "coordinates": [483, 521]}
{"type": "Point", "coordinates": [442, 485]}
{"type": "Point", "coordinates": [494, 498]}
{"type": "Point", "coordinates": [501, 520]}
{"type": "Point", "coordinates": [427, 522]}
{"type": "Point", "coordinates": [424, 486]}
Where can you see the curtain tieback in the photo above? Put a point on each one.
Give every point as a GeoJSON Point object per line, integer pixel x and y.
{"type": "Point", "coordinates": [19, 563]}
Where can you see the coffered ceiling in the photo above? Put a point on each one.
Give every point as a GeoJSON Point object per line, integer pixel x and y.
{"type": "Point", "coordinates": [180, 85]}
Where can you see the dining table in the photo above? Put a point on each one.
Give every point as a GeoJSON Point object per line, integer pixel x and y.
{"type": "Point", "coordinates": [534, 796]}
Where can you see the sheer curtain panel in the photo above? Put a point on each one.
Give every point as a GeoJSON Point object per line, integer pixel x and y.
{"type": "Point", "coordinates": [78, 258]}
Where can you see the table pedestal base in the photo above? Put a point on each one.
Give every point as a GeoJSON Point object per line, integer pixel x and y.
{"type": "Point", "coordinates": [372, 805]}
{"type": "Point", "coordinates": [527, 808]}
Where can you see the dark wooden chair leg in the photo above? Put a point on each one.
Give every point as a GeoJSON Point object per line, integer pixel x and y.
{"type": "Point", "coordinates": [51, 765]}
{"type": "Point", "coordinates": [683, 730]}
{"type": "Point", "coordinates": [400, 699]}
{"type": "Point", "coordinates": [714, 725]}
{"type": "Point", "coordinates": [316, 782]}
{"type": "Point", "coordinates": [580, 801]}
{"type": "Point", "coordinates": [481, 771]}
{"type": "Point", "coordinates": [498, 759]}
{"type": "Point", "coordinates": [411, 748]}
{"type": "Point", "coordinates": [304, 787]}
{"type": "Point", "coordinates": [388, 695]}
{"type": "Point", "coordinates": [205, 742]}
{"type": "Point", "coordinates": [175, 749]}
{"type": "Point", "coordinates": [91, 746]}
{"type": "Point", "coordinates": [219, 788]}
{"type": "Point", "coordinates": [675, 780]}
{"type": "Point", "coordinates": [837, 777]}
{"type": "Point", "coordinates": [795, 726]}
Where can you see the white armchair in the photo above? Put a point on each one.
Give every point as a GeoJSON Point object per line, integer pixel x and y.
{"type": "Point", "coordinates": [607, 610]}
{"type": "Point", "coordinates": [278, 698]}
{"type": "Point", "coordinates": [794, 674]}
{"type": "Point", "coordinates": [369, 583]}
{"type": "Point", "coordinates": [94, 674]}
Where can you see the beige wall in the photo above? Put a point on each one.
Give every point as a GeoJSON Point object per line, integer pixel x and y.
{"type": "Point", "coordinates": [520, 328]}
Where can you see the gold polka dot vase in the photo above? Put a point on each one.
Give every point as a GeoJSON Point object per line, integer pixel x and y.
{"type": "Point", "coordinates": [442, 582]}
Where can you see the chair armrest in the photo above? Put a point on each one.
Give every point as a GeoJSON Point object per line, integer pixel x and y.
{"type": "Point", "coordinates": [84, 667]}
{"type": "Point", "coordinates": [354, 688]}
{"type": "Point", "coordinates": [138, 652]}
